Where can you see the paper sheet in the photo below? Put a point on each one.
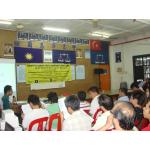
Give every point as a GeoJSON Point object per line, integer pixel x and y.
{"type": "Point", "coordinates": [80, 72]}
{"type": "Point", "coordinates": [73, 72]}
{"type": "Point", "coordinates": [50, 85]}
{"type": "Point", "coordinates": [87, 54]}
{"type": "Point", "coordinates": [47, 55]}
{"type": "Point", "coordinates": [61, 103]}
{"type": "Point", "coordinates": [21, 73]}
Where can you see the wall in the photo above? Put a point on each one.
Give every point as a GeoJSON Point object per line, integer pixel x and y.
{"type": "Point", "coordinates": [71, 87]}
{"type": "Point", "coordinates": [127, 51]}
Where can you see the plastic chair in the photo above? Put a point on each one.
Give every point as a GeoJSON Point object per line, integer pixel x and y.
{"type": "Point", "coordinates": [51, 119]}
{"type": "Point", "coordinates": [39, 122]}
{"type": "Point", "coordinates": [96, 115]}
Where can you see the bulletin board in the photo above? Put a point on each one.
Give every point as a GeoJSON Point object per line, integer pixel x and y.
{"type": "Point", "coordinates": [71, 87]}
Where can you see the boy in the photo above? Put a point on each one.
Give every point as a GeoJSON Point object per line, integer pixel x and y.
{"type": "Point", "coordinates": [53, 106]}
{"type": "Point", "coordinates": [78, 120]}
{"type": "Point", "coordinates": [123, 95]}
{"type": "Point", "coordinates": [94, 94]}
{"type": "Point", "coordinates": [84, 105]}
{"type": "Point", "coordinates": [106, 104]}
{"type": "Point", "coordinates": [36, 112]}
{"type": "Point", "coordinates": [138, 100]}
{"type": "Point", "coordinates": [5, 99]}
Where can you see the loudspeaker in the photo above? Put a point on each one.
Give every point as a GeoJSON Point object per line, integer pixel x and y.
{"type": "Point", "coordinates": [100, 71]}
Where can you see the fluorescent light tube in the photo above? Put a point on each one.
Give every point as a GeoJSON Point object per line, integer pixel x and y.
{"type": "Point", "coordinates": [56, 29]}
{"type": "Point", "coordinates": [5, 22]}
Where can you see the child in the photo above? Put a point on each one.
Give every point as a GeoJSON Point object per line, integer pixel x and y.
{"type": "Point", "coordinates": [106, 104]}
{"type": "Point", "coordinates": [5, 99]}
{"type": "Point", "coordinates": [36, 112]}
{"type": "Point", "coordinates": [84, 105]}
{"type": "Point", "coordinates": [53, 106]}
{"type": "Point", "coordinates": [94, 94]}
{"type": "Point", "coordinates": [123, 95]}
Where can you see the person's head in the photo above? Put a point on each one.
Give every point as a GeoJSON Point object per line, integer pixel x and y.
{"type": "Point", "coordinates": [8, 90]}
{"type": "Point", "coordinates": [123, 116]}
{"type": "Point", "coordinates": [72, 103]}
{"type": "Point", "coordinates": [34, 101]}
{"type": "Point", "coordinates": [105, 102]}
{"type": "Point", "coordinates": [52, 97]}
{"type": "Point", "coordinates": [138, 99]}
{"type": "Point", "coordinates": [123, 92]}
{"type": "Point", "coordinates": [134, 86]}
{"type": "Point", "coordinates": [81, 95]}
{"type": "Point", "coordinates": [93, 91]}
{"type": "Point", "coordinates": [146, 110]}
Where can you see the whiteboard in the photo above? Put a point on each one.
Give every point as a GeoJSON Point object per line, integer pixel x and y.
{"type": "Point", "coordinates": [7, 75]}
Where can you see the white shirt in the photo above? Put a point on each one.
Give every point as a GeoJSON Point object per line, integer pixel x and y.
{"type": "Point", "coordinates": [33, 115]}
{"type": "Point", "coordinates": [123, 98]}
{"type": "Point", "coordinates": [78, 121]}
{"type": "Point", "coordinates": [84, 106]}
{"type": "Point", "coordinates": [94, 105]}
{"type": "Point", "coordinates": [101, 121]}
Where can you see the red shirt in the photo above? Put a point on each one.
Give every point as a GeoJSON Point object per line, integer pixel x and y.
{"type": "Point", "coordinates": [146, 128]}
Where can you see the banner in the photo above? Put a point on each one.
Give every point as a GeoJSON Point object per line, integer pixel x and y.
{"type": "Point", "coordinates": [64, 56]}
{"type": "Point", "coordinates": [44, 73]}
{"type": "Point", "coordinates": [28, 55]}
{"type": "Point", "coordinates": [102, 56]}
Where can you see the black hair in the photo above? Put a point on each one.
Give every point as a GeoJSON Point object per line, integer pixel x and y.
{"type": "Point", "coordinates": [73, 102]}
{"type": "Point", "coordinates": [126, 121]}
{"type": "Point", "coordinates": [124, 90]}
{"type": "Point", "coordinates": [94, 89]}
{"type": "Point", "coordinates": [34, 99]}
{"type": "Point", "coordinates": [52, 97]}
{"type": "Point", "coordinates": [7, 88]}
{"type": "Point", "coordinates": [81, 95]}
{"type": "Point", "coordinates": [106, 102]}
{"type": "Point", "coordinates": [134, 85]}
{"type": "Point", "coordinates": [140, 96]}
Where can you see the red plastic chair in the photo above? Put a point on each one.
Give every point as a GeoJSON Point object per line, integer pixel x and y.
{"type": "Point", "coordinates": [39, 122]}
{"type": "Point", "coordinates": [51, 119]}
{"type": "Point", "coordinates": [95, 115]}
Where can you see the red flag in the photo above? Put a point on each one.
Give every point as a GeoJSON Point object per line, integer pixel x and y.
{"type": "Point", "coordinates": [95, 45]}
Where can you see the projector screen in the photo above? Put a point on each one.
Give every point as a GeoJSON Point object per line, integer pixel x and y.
{"type": "Point", "coordinates": [7, 75]}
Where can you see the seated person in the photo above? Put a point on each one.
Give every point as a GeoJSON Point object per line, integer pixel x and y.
{"type": "Point", "coordinates": [94, 93]}
{"type": "Point", "coordinates": [138, 100]}
{"type": "Point", "coordinates": [122, 117]}
{"type": "Point", "coordinates": [134, 86]}
{"type": "Point", "coordinates": [146, 112]}
{"type": "Point", "coordinates": [53, 106]}
{"type": "Point", "coordinates": [36, 113]}
{"type": "Point", "coordinates": [5, 99]}
{"type": "Point", "coordinates": [84, 105]}
{"type": "Point", "coordinates": [123, 95]}
{"type": "Point", "coordinates": [147, 91]}
{"type": "Point", "coordinates": [106, 104]}
{"type": "Point", "coordinates": [78, 120]}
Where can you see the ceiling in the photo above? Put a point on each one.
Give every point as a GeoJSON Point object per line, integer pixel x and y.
{"type": "Point", "coordinates": [115, 28]}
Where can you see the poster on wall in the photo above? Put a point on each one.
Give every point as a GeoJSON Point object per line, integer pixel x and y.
{"type": "Point", "coordinates": [80, 72]}
{"type": "Point", "coordinates": [118, 57]}
{"type": "Point", "coordinates": [50, 85]}
{"type": "Point", "coordinates": [64, 56]}
{"type": "Point", "coordinates": [44, 73]}
{"type": "Point", "coordinates": [8, 49]}
{"type": "Point", "coordinates": [100, 56]}
{"type": "Point", "coordinates": [95, 45]}
{"type": "Point", "coordinates": [87, 54]}
{"type": "Point", "coordinates": [79, 53]}
{"type": "Point", "coordinates": [28, 55]}
{"type": "Point", "coordinates": [47, 56]}
{"type": "Point", "coordinates": [21, 78]}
